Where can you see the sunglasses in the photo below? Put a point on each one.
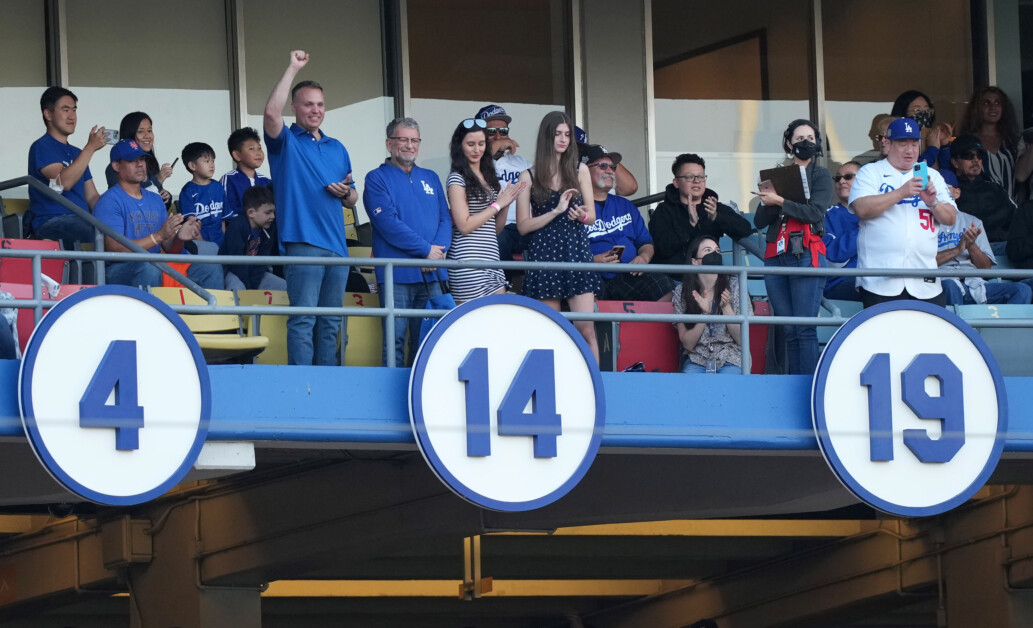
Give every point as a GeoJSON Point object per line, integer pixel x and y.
{"type": "Point", "coordinates": [604, 165]}
{"type": "Point", "coordinates": [470, 123]}
{"type": "Point", "coordinates": [848, 176]}
{"type": "Point", "coordinates": [970, 155]}
{"type": "Point", "coordinates": [503, 131]}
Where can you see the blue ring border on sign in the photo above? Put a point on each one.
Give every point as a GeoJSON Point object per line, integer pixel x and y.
{"type": "Point", "coordinates": [821, 426]}
{"type": "Point", "coordinates": [25, 389]}
{"type": "Point", "coordinates": [416, 405]}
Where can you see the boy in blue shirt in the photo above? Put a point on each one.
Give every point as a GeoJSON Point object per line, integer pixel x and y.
{"type": "Point", "coordinates": [202, 197]}
{"type": "Point", "coordinates": [253, 233]}
{"type": "Point", "coordinates": [246, 149]}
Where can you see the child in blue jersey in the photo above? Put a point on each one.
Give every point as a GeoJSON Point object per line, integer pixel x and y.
{"type": "Point", "coordinates": [202, 197]}
{"type": "Point", "coordinates": [253, 233]}
{"type": "Point", "coordinates": [246, 149]}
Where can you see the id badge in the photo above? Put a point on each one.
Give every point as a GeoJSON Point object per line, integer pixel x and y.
{"type": "Point", "coordinates": [780, 246]}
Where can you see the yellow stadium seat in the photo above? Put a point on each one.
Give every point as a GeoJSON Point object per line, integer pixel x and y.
{"type": "Point", "coordinates": [273, 327]}
{"type": "Point", "coordinates": [218, 334]}
{"type": "Point", "coordinates": [365, 333]}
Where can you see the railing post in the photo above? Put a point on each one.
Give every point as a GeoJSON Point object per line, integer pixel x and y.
{"type": "Point", "coordinates": [37, 290]}
{"type": "Point", "coordinates": [744, 330]}
{"type": "Point", "coordinates": [389, 322]}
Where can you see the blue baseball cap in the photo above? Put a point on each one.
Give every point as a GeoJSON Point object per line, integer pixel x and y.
{"type": "Point", "coordinates": [493, 112]}
{"type": "Point", "coordinates": [579, 135]}
{"type": "Point", "coordinates": [903, 129]}
{"type": "Point", "coordinates": [126, 150]}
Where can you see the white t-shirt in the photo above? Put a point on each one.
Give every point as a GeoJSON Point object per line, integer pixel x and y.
{"type": "Point", "coordinates": [904, 236]}
{"type": "Point", "coordinates": [508, 169]}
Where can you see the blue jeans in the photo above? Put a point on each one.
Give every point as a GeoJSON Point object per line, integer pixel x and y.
{"type": "Point", "coordinates": [797, 296]}
{"type": "Point", "coordinates": [134, 274]}
{"type": "Point", "coordinates": [408, 296]}
{"type": "Point", "coordinates": [68, 229]}
{"type": "Point", "coordinates": [511, 242]}
{"type": "Point", "coordinates": [727, 369]}
{"type": "Point", "coordinates": [1007, 293]}
{"type": "Point", "coordinates": [312, 339]}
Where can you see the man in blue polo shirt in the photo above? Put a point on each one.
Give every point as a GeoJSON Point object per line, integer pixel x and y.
{"type": "Point", "coordinates": [311, 179]}
{"type": "Point", "coordinates": [65, 168]}
{"type": "Point", "coordinates": [410, 218]}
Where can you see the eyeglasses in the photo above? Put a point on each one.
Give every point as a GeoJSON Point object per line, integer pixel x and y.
{"type": "Point", "coordinates": [500, 130]}
{"type": "Point", "coordinates": [695, 178]}
{"type": "Point", "coordinates": [415, 141]}
{"type": "Point", "coordinates": [880, 137]}
{"type": "Point", "coordinates": [470, 123]}
{"type": "Point", "coordinates": [970, 155]}
{"type": "Point", "coordinates": [604, 165]}
{"type": "Point", "coordinates": [848, 176]}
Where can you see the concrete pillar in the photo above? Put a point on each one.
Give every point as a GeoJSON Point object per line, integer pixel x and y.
{"type": "Point", "coordinates": [167, 593]}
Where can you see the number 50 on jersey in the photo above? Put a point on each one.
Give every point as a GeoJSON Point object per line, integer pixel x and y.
{"type": "Point", "coordinates": [506, 403]}
{"type": "Point", "coordinates": [909, 408]}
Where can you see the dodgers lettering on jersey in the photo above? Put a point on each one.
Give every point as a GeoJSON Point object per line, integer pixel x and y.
{"type": "Point", "coordinates": [212, 209]}
{"type": "Point", "coordinates": [427, 188]}
{"type": "Point", "coordinates": [602, 227]}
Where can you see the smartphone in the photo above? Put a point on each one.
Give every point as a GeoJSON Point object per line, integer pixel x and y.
{"type": "Point", "coordinates": [922, 173]}
{"type": "Point", "coordinates": [111, 136]}
{"type": "Point", "coordinates": [618, 250]}
{"type": "Point", "coordinates": [766, 186]}
{"type": "Point", "coordinates": [174, 162]}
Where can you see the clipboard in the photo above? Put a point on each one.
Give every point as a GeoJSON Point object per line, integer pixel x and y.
{"type": "Point", "coordinates": [787, 181]}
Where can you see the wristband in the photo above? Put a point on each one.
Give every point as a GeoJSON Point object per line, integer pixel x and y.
{"type": "Point", "coordinates": [497, 208]}
{"type": "Point", "coordinates": [153, 240]}
{"type": "Point", "coordinates": [584, 219]}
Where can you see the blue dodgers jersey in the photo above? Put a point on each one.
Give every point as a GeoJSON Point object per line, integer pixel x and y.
{"type": "Point", "coordinates": [43, 152]}
{"type": "Point", "coordinates": [205, 202]}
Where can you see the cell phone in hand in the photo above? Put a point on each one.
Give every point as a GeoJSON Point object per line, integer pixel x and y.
{"type": "Point", "coordinates": [618, 250]}
{"type": "Point", "coordinates": [922, 173]}
{"type": "Point", "coordinates": [766, 186]}
{"type": "Point", "coordinates": [111, 136]}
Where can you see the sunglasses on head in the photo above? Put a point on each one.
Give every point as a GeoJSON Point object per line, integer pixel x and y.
{"type": "Point", "coordinates": [848, 176]}
{"type": "Point", "coordinates": [502, 130]}
{"type": "Point", "coordinates": [470, 123]}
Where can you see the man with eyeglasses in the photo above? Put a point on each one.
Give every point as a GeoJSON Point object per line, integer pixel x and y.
{"type": "Point", "coordinates": [311, 180]}
{"type": "Point", "coordinates": [981, 197]}
{"type": "Point", "coordinates": [690, 209]}
{"type": "Point", "coordinates": [899, 214]}
{"type": "Point", "coordinates": [508, 167]}
{"type": "Point", "coordinates": [409, 213]}
{"type": "Point", "coordinates": [841, 227]}
{"type": "Point", "coordinates": [619, 235]}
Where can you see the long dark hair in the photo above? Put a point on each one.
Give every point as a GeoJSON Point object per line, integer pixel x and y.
{"type": "Point", "coordinates": [690, 281]}
{"type": "Point", "coordinates": [127, 131]}
{"type": "Point", "coordinates": [545, 158]}
{"type": "Point", "coordinates": [1008, 125]}
{"type": "Point", "coordinates": [903, 103]}
{"type": "Point", "coordinates": [461, 165]}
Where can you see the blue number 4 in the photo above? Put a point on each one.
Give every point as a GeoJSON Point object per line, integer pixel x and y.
{"type": "Point", "coordinates": [117, 371]}
{"type": "Point", "coordinates": [535, 381]}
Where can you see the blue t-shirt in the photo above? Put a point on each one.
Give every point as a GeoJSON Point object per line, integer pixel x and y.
{"type": "Point", "coordinates": [409, 213]}
{"type": "Point", "coordinates": [236, 183]}
{"type": "Point", "coordinates": [43, 152]}
{"type": "Point", "coordinates": [132, 217]}
{"type": "Point", "coordinates": [205, 202]}
{"type": "Point", "coordinates": [302, 167]}
{"type": "Point", "coordinates": [618, 222]}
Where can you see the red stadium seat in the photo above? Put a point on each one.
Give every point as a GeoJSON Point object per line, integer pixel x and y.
{"type": "Point", "coordinates": [26, 323]}
{"type": "Point", "coordinates": [19, 270]}
{"type": "Point", "coordinates": [655, 345]}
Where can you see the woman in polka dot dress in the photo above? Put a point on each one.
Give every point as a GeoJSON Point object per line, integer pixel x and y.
{"type": "Point", "coordinates": [551, 209]}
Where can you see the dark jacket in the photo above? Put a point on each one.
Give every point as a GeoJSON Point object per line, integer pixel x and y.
{"type": "Point", "coordinates": [672, 231]}
{"type": "Point", "coordinates": [235, 242]}
{"type": "Point", "coordinates": [1020, 236]}
{"type": "Point", "coordinates": [813, 211]}
{"type": "Point", "coordinates": [988, 202]}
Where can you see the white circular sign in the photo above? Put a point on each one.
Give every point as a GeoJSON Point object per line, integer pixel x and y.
{"type": "Point", "coordinates": [909, 407]}
{"type": "Point", "coordinates": [115, 396]}
{"type": "Point", "coordinates": [506, 403]}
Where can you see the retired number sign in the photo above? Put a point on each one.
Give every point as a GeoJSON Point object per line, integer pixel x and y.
{"type": "Point", "coordinates": [909, 408]}
{"type": "Point", "coordinates": [506, 403]}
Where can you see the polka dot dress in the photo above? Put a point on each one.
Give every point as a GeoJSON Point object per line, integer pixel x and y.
{"type": "Point", "coordinates": [562, 240]}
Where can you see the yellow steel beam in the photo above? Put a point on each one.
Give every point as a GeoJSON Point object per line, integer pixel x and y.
{"type": "Point", "coordinates": [448, 588]}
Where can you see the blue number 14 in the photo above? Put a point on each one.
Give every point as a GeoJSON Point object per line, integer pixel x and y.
{"type": "Point", "coordinates": [534, 382]}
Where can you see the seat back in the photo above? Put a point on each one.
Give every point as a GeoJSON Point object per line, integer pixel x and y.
{"type": "Point", "coordinates": [202, 323]}
{"type": "Point", "coordinates": [1010, 345]}
{"type": "Point", "coordinates": [273, 327]}
{"type": "Point", "coordinates": [654, 344]}
{"type": "Point", "coordinates": [365, 333]}
{"type": "Point", "coordinates": [26, 319]}
{"type": "Point", "coordinates": [19, 270]}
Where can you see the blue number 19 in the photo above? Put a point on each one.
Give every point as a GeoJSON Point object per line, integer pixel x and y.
{"type": "Point", "coordinates": [948, 407]}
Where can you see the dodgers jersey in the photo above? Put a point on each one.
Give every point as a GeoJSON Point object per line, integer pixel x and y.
{"type": "Point", "coordinates": [904, 236]}
{"type": "Point", "coordinates": [508, 169]}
